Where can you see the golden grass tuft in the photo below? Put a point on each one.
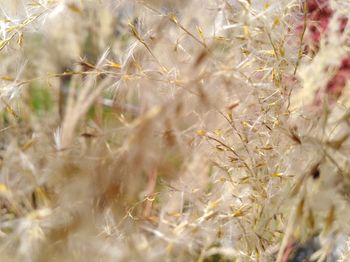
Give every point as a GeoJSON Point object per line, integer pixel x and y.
{"type": "Point", "coordinates": [170, 131]}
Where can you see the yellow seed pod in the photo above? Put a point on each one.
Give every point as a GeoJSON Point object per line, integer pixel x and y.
{"type": "Point", "coordinates": [201, 132]}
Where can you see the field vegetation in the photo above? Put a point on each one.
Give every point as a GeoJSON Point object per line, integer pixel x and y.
{"type": "Point", "coordinates": [160, 130]}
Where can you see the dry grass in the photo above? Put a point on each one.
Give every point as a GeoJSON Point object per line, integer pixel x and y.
{"type": "Point", "coordinates": [170, 130]}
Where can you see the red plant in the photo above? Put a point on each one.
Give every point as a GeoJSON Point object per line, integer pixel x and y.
{"type": "Point", "coordinates": [319, 14]}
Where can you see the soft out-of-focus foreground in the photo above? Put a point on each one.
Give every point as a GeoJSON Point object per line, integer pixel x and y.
{"type": "Point", "coordinates": [212, 130]}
